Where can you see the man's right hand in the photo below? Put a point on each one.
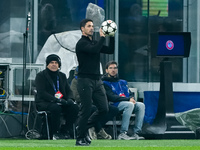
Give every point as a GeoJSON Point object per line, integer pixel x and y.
{"type": "Point", "coordinates": [66, 102]}
{"type": "Point", "coordinates": [132, 100]}
{"type": "Point", "coordinates": [62, 101]}
{"type": "Point", "coordinates": [101, 33]}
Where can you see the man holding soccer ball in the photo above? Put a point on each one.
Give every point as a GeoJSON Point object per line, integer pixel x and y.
{"type": "Point", "coordinates": [89, 84]}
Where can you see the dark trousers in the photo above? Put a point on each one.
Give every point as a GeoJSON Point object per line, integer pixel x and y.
{"type": "Point", "coordinates": [91, 92]}
{"type": "Point", "coordinates": [70, 113]}
{"type": "Point", "coordinates": [113, 111]}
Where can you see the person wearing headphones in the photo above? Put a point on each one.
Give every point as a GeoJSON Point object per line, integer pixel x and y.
{"type": "Point", "coordinates": [55, 96]}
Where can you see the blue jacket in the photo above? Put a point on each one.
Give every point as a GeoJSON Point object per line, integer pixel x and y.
{"type": "Point", "coordinates": [116, 90]}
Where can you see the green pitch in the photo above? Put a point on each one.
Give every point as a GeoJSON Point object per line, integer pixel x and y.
{"type": "Point", "coordinates": [100, 145]}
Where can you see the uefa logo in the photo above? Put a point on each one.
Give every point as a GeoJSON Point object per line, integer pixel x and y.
{"type": "Point", "coordinates": [169, 45]}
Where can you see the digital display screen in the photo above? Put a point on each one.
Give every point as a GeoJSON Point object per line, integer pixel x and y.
{"type": "Point", "coordinates": [171, 45]}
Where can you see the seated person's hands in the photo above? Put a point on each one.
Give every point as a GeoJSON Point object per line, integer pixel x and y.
{"type": "Point", "coordinates": [65, 102]}
{"type": "Point", "coordinates": [62, 101]}
{"type": "Point", "coordinates": [70, 102]}
{"type": "Point", "coordinates": [132, 100]}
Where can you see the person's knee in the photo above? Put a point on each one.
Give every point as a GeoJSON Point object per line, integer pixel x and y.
{"type": "Point", "coordinates": [131, 105]}
{"type": "Point", "coordinates": [141, 106]}
{"type": "Point", "coordinates": [127, 106]}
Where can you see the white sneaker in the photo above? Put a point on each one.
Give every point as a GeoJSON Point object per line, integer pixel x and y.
{"type": "Point", "coordinates": [137, 137]}
{"type": "Point", "coordinates": [124, 136]}
{"type": "Point", "coordinates": [92, 133]}
{"type": "Point", "coordinates": [103, 135]}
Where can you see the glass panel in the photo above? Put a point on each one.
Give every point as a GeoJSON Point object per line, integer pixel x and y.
{"type": "Point", "coordinates": [59, 16]}
{"type": "Point", "coordinates": [12, 27]}
{"type": "Point", "coordinates": [28, 82]}
{"type": "Point", "coordinates": [136, 22]}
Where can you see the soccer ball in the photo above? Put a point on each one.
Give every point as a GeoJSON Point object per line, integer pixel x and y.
{"type": "Point", "coordinates": [109, 27]}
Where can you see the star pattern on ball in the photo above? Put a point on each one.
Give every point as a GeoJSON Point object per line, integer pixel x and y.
{"type": "Point", "coordinates": [109, 27]}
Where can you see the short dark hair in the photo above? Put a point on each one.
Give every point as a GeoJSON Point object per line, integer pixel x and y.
{"type": "Point", "coordinates": [84, 21]}
{"type": "Point", "coordinates": [110, 63]}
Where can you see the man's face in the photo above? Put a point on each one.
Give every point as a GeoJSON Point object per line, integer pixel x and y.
{"type": "Point", "coordinates": [53, 66]}
{"type": "Point", "coordinates": [112, 70]}
{"type": "Point", "coordinates": [88, 30]}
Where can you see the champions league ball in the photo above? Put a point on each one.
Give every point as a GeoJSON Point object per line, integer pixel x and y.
{"type": "Point", "coordinates": [109, 27]}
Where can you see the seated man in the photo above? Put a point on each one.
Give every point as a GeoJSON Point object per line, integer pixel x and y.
{"type": "Point", "coordinates": [96, 132]}
{"type": "Point", "coordinates": [118, 93]}
{"type": "Point", "coordinates": [54, 95]}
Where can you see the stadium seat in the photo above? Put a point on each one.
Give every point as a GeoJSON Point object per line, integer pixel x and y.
{"type": "Point", "coordinates": [33, 133]}
{"type": "Point", "coordinates": [117, 120]}
{"type": "Point", "coordinates": [41, 113]}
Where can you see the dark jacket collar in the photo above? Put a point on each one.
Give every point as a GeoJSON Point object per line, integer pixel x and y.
{"type": "Point", "coordinates": [106, 77]}
{"type": "Point", "coordinates": [86, 37]}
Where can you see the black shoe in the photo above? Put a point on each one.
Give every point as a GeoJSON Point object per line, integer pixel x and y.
{"type": "Point", "coordinates": [82, 142]}
{"type": "Point", "coordinates": [88, 139]}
